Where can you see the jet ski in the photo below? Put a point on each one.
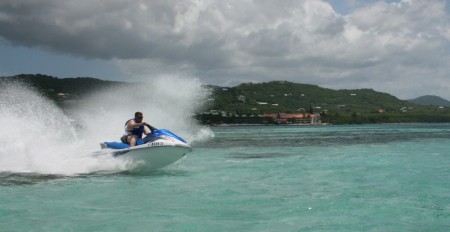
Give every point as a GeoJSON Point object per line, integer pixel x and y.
{"type": "Point", "coordinates": [158, 149]}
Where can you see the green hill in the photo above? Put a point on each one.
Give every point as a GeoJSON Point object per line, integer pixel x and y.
{"type": "Point", "coordinates": [75, 86]}
{"type": "Point", "coordinates": [335, 106]}
{"type": "Point", "coordinates": [290, 97]}
{"type": "Point", "coordinates": [430, 100]}
{"type": "Point", "coordinates": [60, 90]}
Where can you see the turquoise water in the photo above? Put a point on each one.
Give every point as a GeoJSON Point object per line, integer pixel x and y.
{"type": "Point", "coordinates": [274, 178]}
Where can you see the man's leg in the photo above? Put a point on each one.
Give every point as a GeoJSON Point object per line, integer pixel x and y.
{"type": "Point", "coordinates": [132, 140]}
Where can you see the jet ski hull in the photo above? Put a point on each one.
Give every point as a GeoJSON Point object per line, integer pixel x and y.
{"type": "Point", "coordinates": [152, 158]}
{"type": "Point", "coordinates": [157, 150]}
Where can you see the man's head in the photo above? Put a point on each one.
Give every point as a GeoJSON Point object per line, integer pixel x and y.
{"type": "Point", "coordinates": [138, 116]}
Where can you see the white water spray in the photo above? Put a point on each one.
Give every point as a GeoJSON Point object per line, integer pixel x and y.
{"type": "Point", "coordinates": [168, 102]}
{"type": "Point", "coordinates": [38, 137]}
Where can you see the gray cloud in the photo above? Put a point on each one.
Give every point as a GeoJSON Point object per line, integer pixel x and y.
{"type": "Point", "coordinates": [401, 48]}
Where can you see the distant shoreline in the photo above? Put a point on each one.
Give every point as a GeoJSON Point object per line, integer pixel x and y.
{"type": "Point", "coordinates": [243, 124]}
{"type": "Point", "coordinates": [324, 124]}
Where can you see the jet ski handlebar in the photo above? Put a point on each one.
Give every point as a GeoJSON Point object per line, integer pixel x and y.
{"type": "Point", "coordinates": [150, 127]}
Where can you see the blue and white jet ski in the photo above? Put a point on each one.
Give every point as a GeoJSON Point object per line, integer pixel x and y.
{"type": "Point", "coordinates": [158, 149]}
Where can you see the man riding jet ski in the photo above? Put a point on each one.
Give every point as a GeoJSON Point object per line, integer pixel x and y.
{"type": "Point", "coordinates": [134, 128]}
{"type": "Point", "coordinates": [157, 149]}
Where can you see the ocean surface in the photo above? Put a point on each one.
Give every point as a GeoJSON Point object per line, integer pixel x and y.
{"type": "Point", "coordinates": [255, 178]}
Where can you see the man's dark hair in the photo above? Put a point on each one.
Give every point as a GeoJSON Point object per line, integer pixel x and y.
{"type": "Point", "coordinates": [137, 114]}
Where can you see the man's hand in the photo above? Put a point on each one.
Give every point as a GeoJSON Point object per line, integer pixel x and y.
{"type": "Point", "coordinates": [149, 126]}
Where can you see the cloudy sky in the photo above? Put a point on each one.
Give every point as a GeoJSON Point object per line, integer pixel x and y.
{"type": "Point", "coordinates": [400, 47]}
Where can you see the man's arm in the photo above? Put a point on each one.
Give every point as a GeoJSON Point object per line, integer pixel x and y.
{"type": "Point", "coordinates": [131, 124]}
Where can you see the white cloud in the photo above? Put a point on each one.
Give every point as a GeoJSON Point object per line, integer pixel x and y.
{"type": "Point", "coordinates": [377, 45]}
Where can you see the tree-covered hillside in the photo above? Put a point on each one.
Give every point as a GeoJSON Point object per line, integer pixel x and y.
{"type": "Point", "coordinates": [64, 89]}
{"type": "Point", "coordinates": [430, 100]}
{"type": "Point", "coordinates": [335, 106]}
{"type": "Point", "coordinates": [290, 97]}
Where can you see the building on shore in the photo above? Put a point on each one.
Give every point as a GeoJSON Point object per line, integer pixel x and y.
{"type": "Point", "coordinates": [214, 117]}
{"type": "Point", "coordinates": [283, 118]}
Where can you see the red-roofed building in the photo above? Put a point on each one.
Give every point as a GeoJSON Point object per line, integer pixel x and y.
{"type": "Point", "coordinates": [283, 118]}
